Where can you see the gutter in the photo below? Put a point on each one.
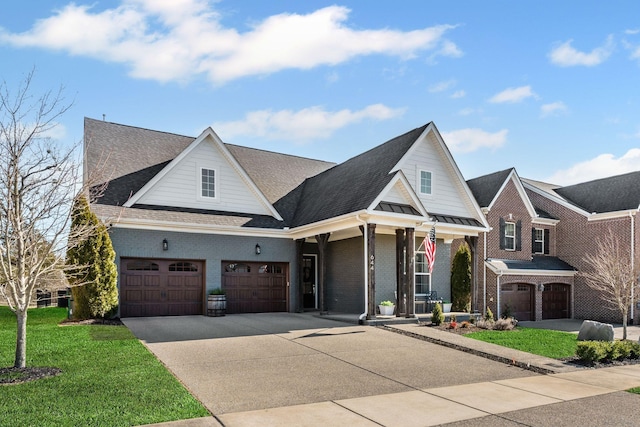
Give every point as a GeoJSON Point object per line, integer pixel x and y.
{"type": "Point", "coordinates": [363, 316]}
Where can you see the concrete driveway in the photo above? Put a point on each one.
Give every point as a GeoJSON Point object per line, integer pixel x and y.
{"type": "Point", "coordinates": [258, 361]}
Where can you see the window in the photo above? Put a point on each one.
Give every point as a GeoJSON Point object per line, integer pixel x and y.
{"type": "Point", "coordinates": [426, 182]}
{"type": "Point", "coordinates": [422, 278]}
{"type": "Point", "coordinates": [538, 241]}
{"type": "Point", "coordinates": [183, 266]}
{"type": "Point", "coordinates": [142, 266]}
{"type": "Point", "coordinates": [208, 183]}
{"type": "Point", "coordinates": [510, 236]}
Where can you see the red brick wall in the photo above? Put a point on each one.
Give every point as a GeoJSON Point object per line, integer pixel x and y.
{"type": "Point", "coordinates": [576, 237]}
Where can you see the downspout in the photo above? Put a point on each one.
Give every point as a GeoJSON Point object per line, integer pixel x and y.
{"type": "Point", "coordinates": [363, 316]}
{"type": "Point", "coordinates": [484, 276]}
{"type": "Point", "coordinates": [498, 296]}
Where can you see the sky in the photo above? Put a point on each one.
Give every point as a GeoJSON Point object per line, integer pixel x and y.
{"type": "Point", "coordinates": [550, 88]}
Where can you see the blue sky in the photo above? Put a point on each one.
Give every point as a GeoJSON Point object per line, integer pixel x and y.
{"type": "Point", "coordinates": [550, 88]}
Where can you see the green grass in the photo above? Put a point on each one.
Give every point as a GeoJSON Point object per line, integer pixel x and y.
{"type": "Point", "coordinates": [634, 390]}
{"type": "Point", "coordinates": [108, 377]}
{"type": "Point", "coordinates": [543, 342]}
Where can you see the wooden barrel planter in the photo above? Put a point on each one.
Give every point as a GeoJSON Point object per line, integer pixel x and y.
{"type": "Point", "coordinates": [216, 305]}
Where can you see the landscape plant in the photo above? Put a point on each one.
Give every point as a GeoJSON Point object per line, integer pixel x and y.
{"type": "Point", "coordinates": [437, 316]}
{"type": "Point", "coordinates": [461, 279]}
{"type": "Point", "coordinates": [39, 178]}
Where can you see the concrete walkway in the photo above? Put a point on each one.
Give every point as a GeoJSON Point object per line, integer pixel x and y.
{"type": "Point", "coordinates": [569, 396]}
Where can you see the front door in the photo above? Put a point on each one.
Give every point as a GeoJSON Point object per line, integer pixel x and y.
{"type": "Point", "coordinates": [309, 281]}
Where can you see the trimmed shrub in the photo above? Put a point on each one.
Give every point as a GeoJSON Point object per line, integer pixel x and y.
{"type": "Point", "coordinates": [437, 316]}
{"type": "Point", "coordinates": [505, 324]}
{"type": "Point", "coordinates": [488, 315]}
{"type": "Point", "coordinates": [598, 351]}
{"type": "Point", "coordinates": [461, 279]}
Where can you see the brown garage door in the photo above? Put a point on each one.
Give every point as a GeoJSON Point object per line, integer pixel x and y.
{"type": "Point", "coordinates": [555, 301]}
{"type": "Point", "coordinates": [255, 287]}
{"type": "Point", "coordinates": [154, 287]}
{"type": "Point", "coordinates": [517, 299]}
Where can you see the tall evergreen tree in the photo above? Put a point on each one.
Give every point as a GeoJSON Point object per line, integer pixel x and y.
{"type": "Point", "coordinates": [461, 279]}
{"type": "Point", "coordinates": [95, 291]}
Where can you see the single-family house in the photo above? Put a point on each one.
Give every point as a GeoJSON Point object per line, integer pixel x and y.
{"type": "Point", "coordinates": [277, 232]}
{"type": "Point", "coordinates": [529, 262]}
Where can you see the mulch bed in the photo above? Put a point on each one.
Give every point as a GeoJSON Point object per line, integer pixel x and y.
{"type": "Point", "coordinates": [12, 376]}
{"type": "Point", "coordinates": [110, 322]}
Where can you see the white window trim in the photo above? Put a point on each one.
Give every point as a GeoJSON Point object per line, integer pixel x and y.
{"type": "Point", "coordinates": [216, 184]}
{"type": "Point", "coordinates": [541, 241]}
{"type": "Point", "coordinates": [419, 181]}
{"type": "Point", "coordinates": [506, 236]}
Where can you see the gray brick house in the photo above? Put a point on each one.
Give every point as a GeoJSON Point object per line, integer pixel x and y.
{"type": "Point", "coordinates": [528, 263]}
{"type": "Point", "coordinates": [276, 232]}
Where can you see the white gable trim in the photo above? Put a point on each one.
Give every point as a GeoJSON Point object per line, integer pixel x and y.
{"type": "Point", "coordinates": [513, 177]}
{"type": "Point", "coordinates": [432, 129]}
{"type": "Point", "coordinates": [228, 157]}
{"type": "Point", "coordinates": [402, 180]}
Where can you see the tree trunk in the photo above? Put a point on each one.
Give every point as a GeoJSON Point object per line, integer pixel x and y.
{"type": "Point", "coordinates": [624, 324]}
{"type": "Point", "coordinates": [21, 339]}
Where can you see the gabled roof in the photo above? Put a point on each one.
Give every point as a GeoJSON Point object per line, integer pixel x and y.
{"type": "Point", "coordinates": [616, 193]}
{"type": "Point", "coordinates": [487, 188]}
{"type": "Point", "coordinates": [350, 186]}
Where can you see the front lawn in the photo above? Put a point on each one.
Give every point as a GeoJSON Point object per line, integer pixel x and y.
{"type": "Point", "coordinates": [108, 377]}
{"type": "Point", "coordinates": [543, 342]}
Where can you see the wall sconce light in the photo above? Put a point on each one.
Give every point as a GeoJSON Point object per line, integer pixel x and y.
{"type": "Point", "coordinates": [165, 245]}
{"type": "Point", "coordinates": [258, 249]}
{"type": "Point", "coordinates": [541, 287]}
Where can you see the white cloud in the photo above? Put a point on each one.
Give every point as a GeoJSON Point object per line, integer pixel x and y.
{"type": "Point", "coordinates": [458, 94]}
{"type": "Point", "coordinates": [303, 125]}
{"type": "Point", "coordinates": [472, 139]}
{"type": "Point", "coordinates": [468, 111]}
{"type": "Point", "coordinates": [566, 55]}
{"type": "Point", "coordinates": [632, 31]}
{"type": "Point", "coordinates": [442, 86]}
{"type": "Point", "coordinates": [513, 95]}
{"type": "Point", "coordinates": [175, 40]}
{"type": "Point", "coordinates": [601, 166]}
{"type": "Point", "coordinates": [555, 108]}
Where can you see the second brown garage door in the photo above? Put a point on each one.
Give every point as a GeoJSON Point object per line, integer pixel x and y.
{"type": "Point", "coordinates": [253, 287]}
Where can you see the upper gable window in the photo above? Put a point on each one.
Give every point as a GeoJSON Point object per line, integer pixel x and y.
{"type": "Point", "coordinates": [208, 183]}
{"type": "Point", "coordinates": [540, 241]}
{"type": "Point", "coordinates": [426, 182]}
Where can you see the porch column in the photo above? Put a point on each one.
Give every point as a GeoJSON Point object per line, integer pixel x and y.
{"type": "Point", "coordinates": [371, 258]}
{"type": "Point", "coordinates": [472, 241]}
{"type": "Point", "coordinates": [300, 287]}
{"type": "Point", "coordinates": [323, 240]}
{"type": "Point", "coordinates": [400, 276]}
{"type": "Point", "coordinates": [410, 243]}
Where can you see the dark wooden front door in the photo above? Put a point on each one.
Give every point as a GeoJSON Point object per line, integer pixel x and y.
{"type": "Point", "coordinates": [555, 301]}
{"type": "Point", "coordinates": [155, 287]}
{"type": "Point", "coordinates": [518, 300]}
{"type": "Point", "coordinates": [253, 287]}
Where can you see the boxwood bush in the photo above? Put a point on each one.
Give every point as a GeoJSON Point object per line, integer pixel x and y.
{"type": "Point", "coordinates": [602, 351]}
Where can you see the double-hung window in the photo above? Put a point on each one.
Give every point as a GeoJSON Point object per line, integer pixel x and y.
{"type": "Point", "coordinates": [426, 182]}
{"type": "Point", "coordinates": [208, 183]}
{"type": "Point", "coordinates": [538, 242]}
{"type": "Point", "coordinates": [510, 236]}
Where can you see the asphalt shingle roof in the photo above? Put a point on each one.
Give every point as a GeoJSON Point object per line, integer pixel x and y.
{"type": "Point", "coordinates": [350, 186]}
{"type": "Point", "coordinates": [538, 262]}
{"type": "Point", "coordinates": [485, 188]}
{"type": "Point", "coordinates": [616, 193]}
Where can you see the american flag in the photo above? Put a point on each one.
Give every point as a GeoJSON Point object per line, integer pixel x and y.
{"type": "Point", "coordinates": [430, 247]}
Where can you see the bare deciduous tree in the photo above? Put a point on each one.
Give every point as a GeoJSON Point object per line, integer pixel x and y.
{"type": "Point", "coordinates": [38, 181]}
{"type": "Point", "coordinates": [614, 275]}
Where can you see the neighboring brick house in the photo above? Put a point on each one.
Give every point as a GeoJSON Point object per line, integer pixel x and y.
{"type": "Point", "coordinates": [540, 234]}
{"type": "Point", "coordinates": [517, 270]}
{"type": "Point", "coordinates": [277, 232]}
{"type": "Point", "coordinates": [585, 212]}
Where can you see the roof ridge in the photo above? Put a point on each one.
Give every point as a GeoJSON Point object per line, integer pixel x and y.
{"type": "Point", "coordinates": [277, 152]}
{"type": "Point", "coordinates": [139, 128]}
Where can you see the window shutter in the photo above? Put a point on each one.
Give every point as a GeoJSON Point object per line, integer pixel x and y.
{"type": "Point", "coordinates": [533, 240]}
{"type": "Point", "coordinates": [546, 241]}
{"type": "Point", "coordinates": [519, 236]}
{"type": "Point", "coordinates": [502, 237]}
